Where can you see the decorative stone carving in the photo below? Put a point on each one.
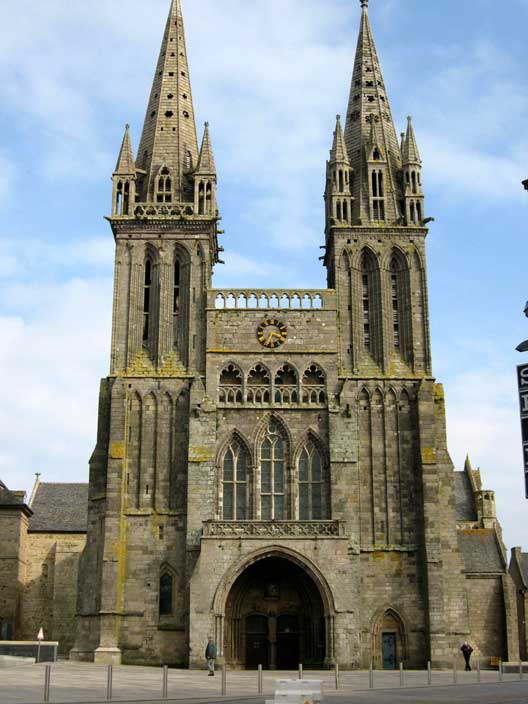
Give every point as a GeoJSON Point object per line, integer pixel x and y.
{"type": "Point", "coordinates": [273, 529]}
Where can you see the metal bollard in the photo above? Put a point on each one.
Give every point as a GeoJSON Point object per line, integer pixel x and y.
{"type": "Point", "coordinates": [520, 670]}
{"type": "Point", "coordinates": [500, 670]}
{"type": "Point", "coordinates": [260, 687]}
{"type": "Point", "coordinates": [165, 691]}
{"type": "Point", "coordinates": [47, 681]}
{"type": "Point", "coordinates": [109, 678]}
{"type": "Point", "coordinates": [371, 677]}
{"type": "Point", "coordinates": [224, 680]}
{"type": "Point", "coordinates": [336, 672]}
{"type": "Point", "coordinates": [455, 673]}
{"type": "Point", "coordinates": [478, 670]}
{"type": "Point", "coordinates": [402, 681]}
{"type": "Point", "coordinates": [300, 671]}
{"type": "Point", "coordinates": [429, 673]}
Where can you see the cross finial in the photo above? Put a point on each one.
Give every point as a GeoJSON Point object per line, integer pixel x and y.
{"type": "Point", "coordinates": [364, 4]}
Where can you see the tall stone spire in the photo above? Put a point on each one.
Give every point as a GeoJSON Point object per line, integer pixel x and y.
{"type": "Point", "coordinates": [369, 120]}
{"type": "Point", "coordinates": [169, 138]}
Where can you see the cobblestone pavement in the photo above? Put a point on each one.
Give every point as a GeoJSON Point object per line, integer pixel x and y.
{"type": "Point", "coordinates": [73, 683]}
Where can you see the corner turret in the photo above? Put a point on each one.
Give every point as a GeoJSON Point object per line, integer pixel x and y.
{"type": "Point", "coordinates": [124, 179]}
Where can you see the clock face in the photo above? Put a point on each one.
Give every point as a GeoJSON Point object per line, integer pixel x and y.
{"type": "Point", "coordinates": [272, 333]}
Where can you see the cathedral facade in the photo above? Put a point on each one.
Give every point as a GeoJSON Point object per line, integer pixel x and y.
{"type": "Point", "coordinates": [271, 466]}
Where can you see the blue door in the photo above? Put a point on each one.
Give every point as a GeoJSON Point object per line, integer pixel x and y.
{"type": "Point", "coordinates": [388, 649]}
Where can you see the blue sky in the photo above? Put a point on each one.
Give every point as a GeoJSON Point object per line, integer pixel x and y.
{"type": "Point", "coordinates": [270, 76]}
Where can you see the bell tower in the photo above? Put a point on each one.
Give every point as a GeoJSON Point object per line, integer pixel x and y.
{"type": "Point", "coordinates": [375, 234]}
{"type": "Point", "coordinates": [164, 219]}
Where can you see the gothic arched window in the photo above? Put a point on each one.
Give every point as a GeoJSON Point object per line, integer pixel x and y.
{"type": "Point", "coordinates": [176, 301]}
{"type": "Point", "coordinates": [164, 186]}
{"type": "Point", "coordinates": [147, 289]}
{"type": "Point", "coordinates": [165, 594]}
{"type": "Point", "coordinates": [235, 482]}
{"type": "Point", "coordinates": [313, 488]}
{"type": "Point", "coordinates": [273, 467]}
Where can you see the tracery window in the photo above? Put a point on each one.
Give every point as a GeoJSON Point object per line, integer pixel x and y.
{"type": "Point", "coordinates": [313, 499]}
{"type": "Point", "coordinates": [235, 482]}
{"type": "Point", "coordinates": [230, 385]}
{"type": "Point", "coordinates": [395, 294]}
{"type": "Point", "coordinates": [273, 475]}
{"type": "Point", "coordinates": [286, 386]}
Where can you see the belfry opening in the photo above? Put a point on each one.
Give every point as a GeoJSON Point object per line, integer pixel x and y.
{"type": "Point", "coordinates": [275, 617]}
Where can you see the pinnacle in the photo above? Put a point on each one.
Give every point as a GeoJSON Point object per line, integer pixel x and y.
{"type": "Point", "coordinates": [206, 162]}
{"type": "Point", "coordinates": [125, 162]}
{"type": "Point", "coordinates": [410, 153]}
{"type": "Point", "coordinates": [339, 150]}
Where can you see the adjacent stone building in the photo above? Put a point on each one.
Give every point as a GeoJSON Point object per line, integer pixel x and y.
{"type": "Point", "coordinates": [271, 466]}
{"type": "Point", "coordinates": [39, 557]}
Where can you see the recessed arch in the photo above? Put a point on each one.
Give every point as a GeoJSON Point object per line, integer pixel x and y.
{"type": "Point", "coordinates": [226, 583]}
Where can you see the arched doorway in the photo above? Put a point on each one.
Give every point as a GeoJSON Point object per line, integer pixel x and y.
{"type": "Point", "coordinates": [275, 617]}
{"type": "Point", "coordinates": [389, 640]}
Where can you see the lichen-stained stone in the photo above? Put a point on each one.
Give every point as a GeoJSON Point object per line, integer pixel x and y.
{"type": "Point", "coordinates": [271, 466]}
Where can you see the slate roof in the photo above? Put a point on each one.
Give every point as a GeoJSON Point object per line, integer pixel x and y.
{"type": "Point", "coordinates": [464, 506]}
{"type": "Point", "coordinates": [524, 566]}
{"type": "Point", "coordinates": [480, 551]}
{"type": "Point", "coordinates": [59, 508]}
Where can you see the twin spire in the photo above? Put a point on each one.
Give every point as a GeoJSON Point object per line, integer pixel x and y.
{"type": "Point", "coordinates": [377, 161]}
{"type": "Point", "coordinates": [169, 141]}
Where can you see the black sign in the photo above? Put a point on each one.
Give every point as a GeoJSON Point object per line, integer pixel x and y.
{"type": "Point", "coordinates": [522, 377]}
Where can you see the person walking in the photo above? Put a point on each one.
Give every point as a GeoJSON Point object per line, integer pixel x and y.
{"type": "Point", "coordinates": [466, 652]}
{"type": "Point", "coordinates": [210, 656]}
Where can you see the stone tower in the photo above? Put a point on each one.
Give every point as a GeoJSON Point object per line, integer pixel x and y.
{"type": "Point", "coordinates": [271, 466]}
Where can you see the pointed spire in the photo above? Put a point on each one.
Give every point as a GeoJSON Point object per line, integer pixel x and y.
{"type": "Point", "coordinates": [125, 162]}
{"type": "Point", "coordinates": [169, 134]}
{"type": "Point", "coordinates": [339, 150]}
{"type": "Point", "coordinates": [206, 162]}
{"type": "Point", "coordinates": [369, 102]}
{"type": "Point", "coordinates": [410, 153]}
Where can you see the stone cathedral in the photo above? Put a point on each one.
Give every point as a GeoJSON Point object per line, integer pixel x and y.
{"type": "Point", "coordinates": [271, 466]}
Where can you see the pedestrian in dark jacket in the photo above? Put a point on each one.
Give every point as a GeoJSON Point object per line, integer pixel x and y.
{"type": "Point", "coordinates": [466, 652]}
{"type": "Point", "coordinates": [210, 656]}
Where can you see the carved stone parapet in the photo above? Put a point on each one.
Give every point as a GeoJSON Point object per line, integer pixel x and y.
{"type": "Point", "coordinates": [273, 529]}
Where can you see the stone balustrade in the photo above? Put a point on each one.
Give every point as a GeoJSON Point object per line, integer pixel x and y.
{"type": "Point", "coordinates": [163, 210]}
{"type": "Point", "coordinates": [271, 299]}
{"type": "Point", "coordinates": [273, 529]}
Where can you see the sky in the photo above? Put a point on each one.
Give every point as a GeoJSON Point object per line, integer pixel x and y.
{"type": "Point", "coordinates": [269, 76]}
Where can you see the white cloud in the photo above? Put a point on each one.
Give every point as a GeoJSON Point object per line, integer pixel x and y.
{"type": "Point", "coordinates": [483, 421]}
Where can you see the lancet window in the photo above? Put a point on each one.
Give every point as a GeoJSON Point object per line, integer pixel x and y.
{"type": "Point", "coordinates": [313, 487]}
{"type": "Point", "coordinates": [235, 485]}
{"type": "Point", "coordinates": [165, 594]}
{"type": "Point", "coordinates": [176, 302]}
{"type": "Point", "coordinates": [378, 196]}
{"type": "Point", "coordinates": [273, 467]}
{"type": "Point", "coordinates": [164, 186]}
{"type": "Point", "coordinates": [147, 299]}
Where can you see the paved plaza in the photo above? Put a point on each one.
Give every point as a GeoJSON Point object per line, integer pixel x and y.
{"type": "Point", "coordinates": [22, 683]}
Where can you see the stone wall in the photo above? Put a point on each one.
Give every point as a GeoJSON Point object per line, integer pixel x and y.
{"type": "Point", "coordinates": [50, 588]}
{"type": "Point", "coordinates": [13, 565]}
